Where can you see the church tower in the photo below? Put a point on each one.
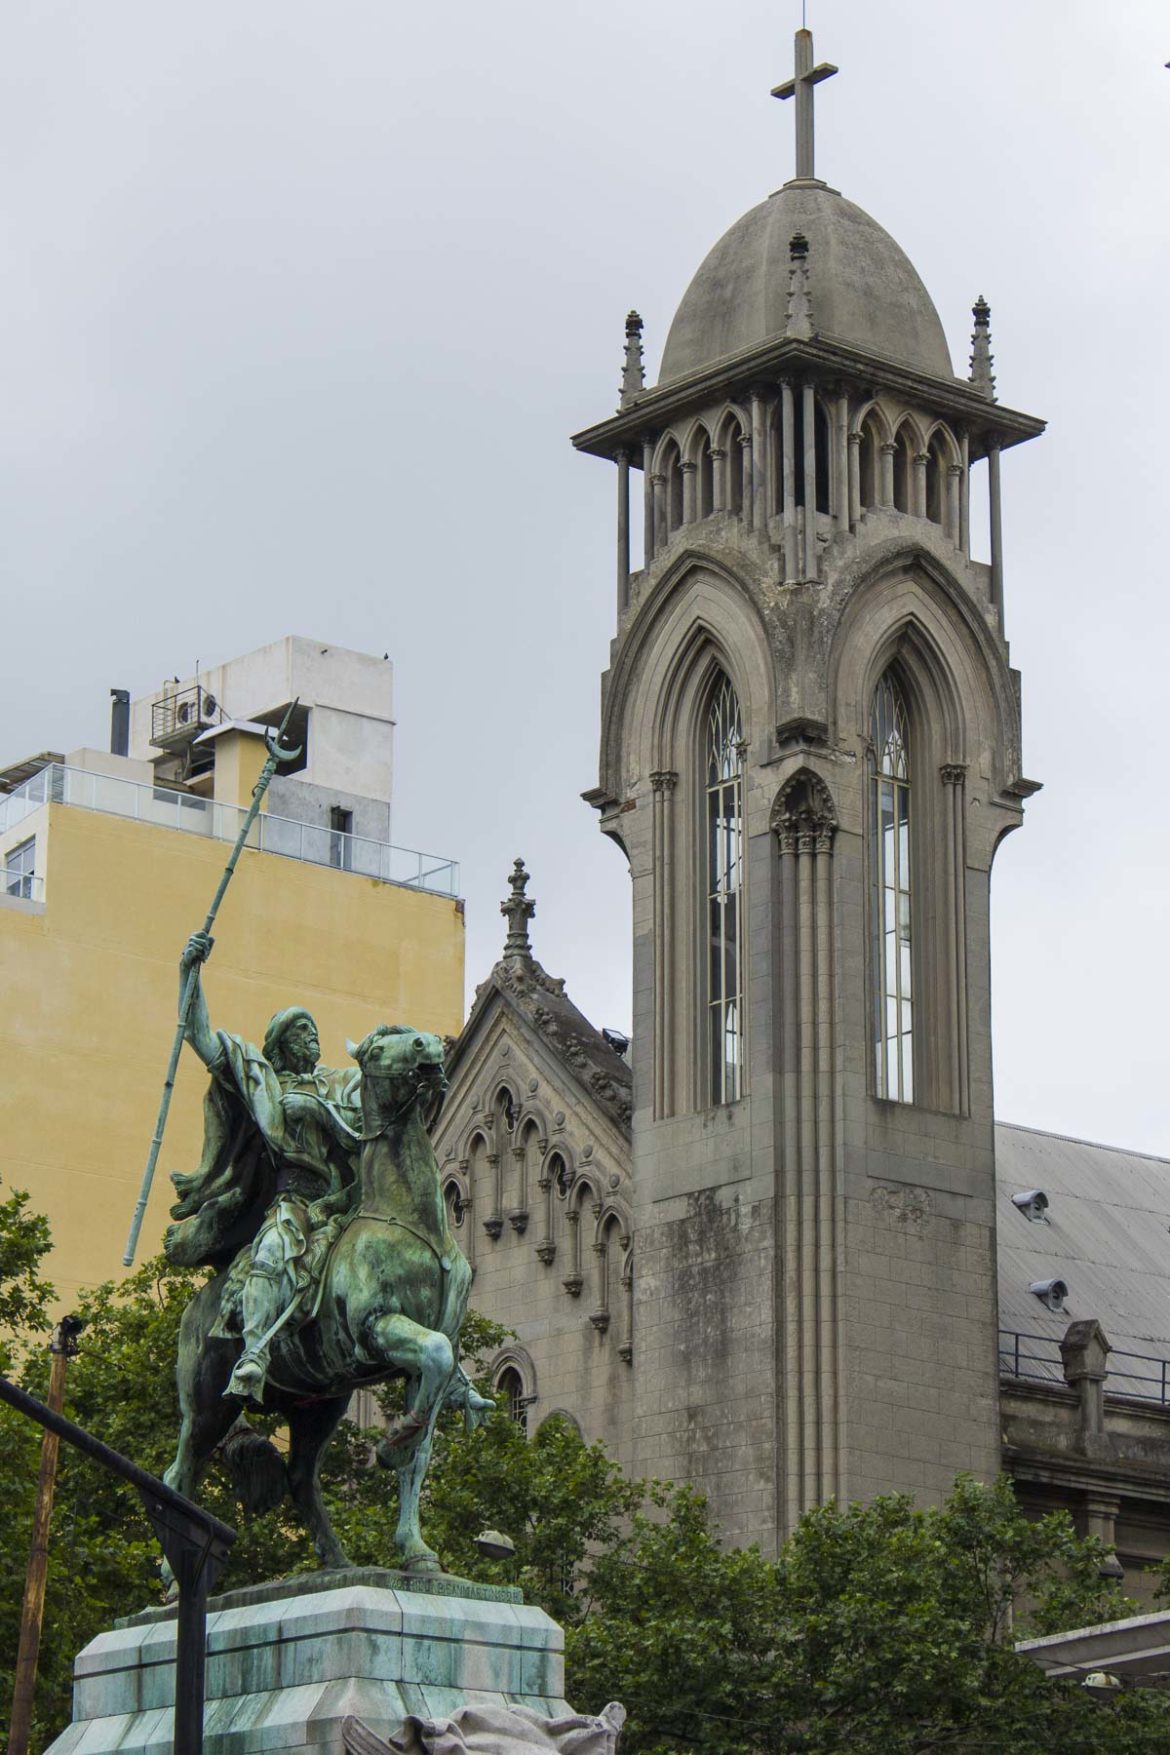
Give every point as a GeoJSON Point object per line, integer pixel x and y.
{"type": "Point", "coordinates": [810, 750]}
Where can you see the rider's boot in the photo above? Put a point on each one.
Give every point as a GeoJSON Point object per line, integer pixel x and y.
{"type": "Point", "coordinates": [263, 1305]}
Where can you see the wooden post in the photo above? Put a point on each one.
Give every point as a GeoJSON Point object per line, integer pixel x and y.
{"type": "Point", "coordinates": [63, 1346]}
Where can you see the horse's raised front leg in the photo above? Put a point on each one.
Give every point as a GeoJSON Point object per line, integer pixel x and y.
{"type": "Point", "coordinates": [427, 1359]}
{"type": "Point", "coordinates": [310, 1429]}
{"type": "Point", "coordinates": [416, 1555]}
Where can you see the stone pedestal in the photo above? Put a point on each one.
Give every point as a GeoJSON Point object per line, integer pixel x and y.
{"type": "Point", "coordinates": [288, 1661]}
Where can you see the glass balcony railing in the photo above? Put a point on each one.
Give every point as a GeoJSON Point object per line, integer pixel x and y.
{"type": "Point", "coordinates": [184, 811]}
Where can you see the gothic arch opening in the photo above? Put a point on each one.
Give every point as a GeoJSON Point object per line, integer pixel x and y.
{"type": "Point", "coordinates": [904, 452]}
{"type": "Point", "coordinates": [870, 461]}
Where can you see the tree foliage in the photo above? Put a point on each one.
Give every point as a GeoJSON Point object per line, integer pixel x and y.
{"type": "Point", "coordinates": [881, 1630]}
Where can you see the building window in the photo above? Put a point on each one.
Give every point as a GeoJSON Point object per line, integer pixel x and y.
{"type": "Point", "coordinates": [341, 838]}
{"type": "Point", "coordinates": [891, 906]}
{"type": "Point", "coordinates": [20, 869]}
{"type": "Point", "coordinates": [510, 1386]}
{"type": "Point", "coordinates": [724, 895]}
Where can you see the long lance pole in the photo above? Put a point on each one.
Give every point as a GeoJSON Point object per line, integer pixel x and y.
{"type": "Point", "coordinates": [276, 753]}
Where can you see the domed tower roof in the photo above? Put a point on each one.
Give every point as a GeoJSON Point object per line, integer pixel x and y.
{"type": "Point", "coordinates": [864, 289]}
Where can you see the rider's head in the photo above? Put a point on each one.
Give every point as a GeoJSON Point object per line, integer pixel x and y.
{"type": "Point", "coordinates": [292, 1044]}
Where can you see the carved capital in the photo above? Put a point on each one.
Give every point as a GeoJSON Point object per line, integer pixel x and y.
{"type": "Point", "coordinates": [573, 1285]}
{"type": "Point", "coordinates": [519, 1220]}
{"type": "Point", "coordinates": [953, 773]}
{"type": "Point", "coordinates": [621, 455]}
{"type": "Point", "coordinates": [717, 452]}
{"type": "Point", "coordinates": [888, 448]}
{"type": "Point", "coordinates": [954, 470]}
{"type": "Point", "coordinates": [922, 458]}
{"type": "Point", "coordinates": [546, 1250]}
{"type": "Point", "coordinates": [688, 467]}
{"type": "Point", "coordinates": [804, 817]}
{"type": "Point", "coordinates": [664, 780]}
{"type": "Point", "coordinates": [855, 438]}
{"type": "Point", "coordinates": [494, 1226]}
{"type": "Point", "coordinates": [600, 1320]}
{"type": "Point", "coordinates": [626, 1353]}
{"type": "Point", "coordinates": [658, 480]}
{"type": "Point", "coordinates": [745, 441]}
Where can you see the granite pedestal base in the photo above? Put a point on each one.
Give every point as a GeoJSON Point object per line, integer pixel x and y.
{"type": "Point", "coordinates": [288, 1661]}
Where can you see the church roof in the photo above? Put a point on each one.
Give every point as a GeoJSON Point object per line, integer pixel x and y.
{"type": "Point", "coordinates": [545, 1011]}
{"type": "Point", "coordinates": [1106, 1235]}
{"type": "Point", "coordinates": [864, 289]}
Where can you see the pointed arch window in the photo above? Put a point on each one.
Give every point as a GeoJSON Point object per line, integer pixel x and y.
{"type": "Point", "coordinates": [723, 889]}
{"type": "Point", "coordinates": [892, 961]}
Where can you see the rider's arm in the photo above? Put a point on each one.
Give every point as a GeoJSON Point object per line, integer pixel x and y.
{"type": "Point", "coordinates": [199, 1032]}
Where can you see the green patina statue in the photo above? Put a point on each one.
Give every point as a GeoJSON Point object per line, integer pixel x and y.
{"type": "Point", "coordinates": [318, 1204]}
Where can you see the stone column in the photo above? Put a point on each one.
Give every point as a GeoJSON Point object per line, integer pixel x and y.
{"type": "Point", "coordinates": [663, 782]}
{"type": "Point", "coordinates": [809, 478]}
{"type": "Point", "coordinates": [719, 479]}
{"type": "Point", "coordinates": [546, 1248]}
{"type": "Point", "coordinates": [886, 484]}
{"type": "Point", "coordinates": [918, 484]}
{"type": "Point", "coordinates": [954, 1078]}
{"type": "Point", "coordinates": [689, 510]}
{"type": "Point", "coordinates": [647, 501]}
{"type": "Point", "coordinates": [626, 1349]}
{"type": "Point", "coordinates": [965, 493]}
{"type": "Point", "coordinates": [622, 458]}
{"type": "Point", "coordinates": [807, 1195]}
{"type": "Point", "coordinates": [745, 465]}
{"type": "Point", "coordinates": [996, 532]}
{"type": "Point", "coordinates": [954, 478]}
{"type": "Point", "coordinates": [572, 1281]}
{"type": "Point", "coordinates": [841, 493]}
{"type": "Point", "coordinates": [599, 1316]}
{"type": "Point", "coordinates": [788, 479]}
{"type": "Point", "coordinates": [854, 480]}
{"type": "Point", "coordinates": [518, 1216]}
{"type": "Point", "coordinates": [759, 459]}
{"type": "Point", "coordinates": [494, 1223]}
{"type": "Point", "coordinates": [658, 484]}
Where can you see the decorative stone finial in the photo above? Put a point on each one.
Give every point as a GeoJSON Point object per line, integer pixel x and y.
{"type": "Point", "coordinates": [633, 372]}
{"type": "Point", "coordinates": [981, 373]}
{"type": "Point", "coordinates": [799, 322]}
{"type": "Point", "coordinates": [518, 911]}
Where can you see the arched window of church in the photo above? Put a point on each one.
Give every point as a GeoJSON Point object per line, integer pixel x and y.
{"type": "Point", "coordinates": [890, 849]}
{"type": "Point", "coordinates": [870, 462]}
{"type": "Point", "coordinates": [904, 471]}
{"type": "Point", "coordinates": [937, 460]}
{"type": "Point", "coordinates": [510, 1387]}
{"type": "Point", "coordinates": [732, 445]}
{"type": "Point", "coordinates": [723, 859]}
{"type": "Point", "coordinates": [672, 470]}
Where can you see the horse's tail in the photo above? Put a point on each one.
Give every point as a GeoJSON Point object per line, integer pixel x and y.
{"type": "Point", "coordinates": [255, 1467]}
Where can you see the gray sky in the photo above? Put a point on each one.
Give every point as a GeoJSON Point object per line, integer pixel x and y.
{"type": "Point", "coordinates": [300, 302]}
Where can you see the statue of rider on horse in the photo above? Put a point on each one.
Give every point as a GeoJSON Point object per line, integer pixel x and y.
{"type": "Point", "coordinates": [318, 1205]}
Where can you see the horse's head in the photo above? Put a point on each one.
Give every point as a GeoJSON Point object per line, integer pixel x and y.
{"type": "Point", "coordinates": [400, 1067]}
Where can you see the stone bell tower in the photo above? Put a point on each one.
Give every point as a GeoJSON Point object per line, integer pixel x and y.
{"type": "Point", "coordinates": [810, 749]}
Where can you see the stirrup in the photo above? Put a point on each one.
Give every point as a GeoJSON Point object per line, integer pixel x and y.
{"type": "Point", "coordinates": [247, 1380]}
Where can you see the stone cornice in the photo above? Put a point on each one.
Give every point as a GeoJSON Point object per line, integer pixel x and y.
{"type": "Point", "coordinates": [825, 358]}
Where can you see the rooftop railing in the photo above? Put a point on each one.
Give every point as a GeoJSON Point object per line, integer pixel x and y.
{"type": "Point", "coordinates": [1135, 1377]}
{"type": "Point", "coordinates": [192, 815]}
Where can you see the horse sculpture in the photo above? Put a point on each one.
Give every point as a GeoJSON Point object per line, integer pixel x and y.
{"type": "Point", "coordinates": [389, 1304]}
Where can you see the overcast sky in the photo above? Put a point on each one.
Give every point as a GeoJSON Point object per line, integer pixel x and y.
{"type": "Point", "coordinates": [299, 303]}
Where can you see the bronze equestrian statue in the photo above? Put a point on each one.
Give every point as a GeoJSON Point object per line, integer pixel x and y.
{"type": "Point", "coordinates": [319, 1205]}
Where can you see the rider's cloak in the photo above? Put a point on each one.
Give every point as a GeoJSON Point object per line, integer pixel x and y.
{"type": "Point", "coordinates": [255, 1122]}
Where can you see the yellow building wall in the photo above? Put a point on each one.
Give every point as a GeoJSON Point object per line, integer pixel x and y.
{"type": "Point", "coordinates": [89, 990]}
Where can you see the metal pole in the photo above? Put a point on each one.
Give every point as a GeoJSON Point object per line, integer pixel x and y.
{"type": "Point", "coordinates": [64, 1346]}
{"type": "Point", "coordinates": [276, 753]}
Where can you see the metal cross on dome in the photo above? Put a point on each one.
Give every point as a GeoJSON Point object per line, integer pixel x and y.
{"type": "Point", "coordinates": [801, 87]}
